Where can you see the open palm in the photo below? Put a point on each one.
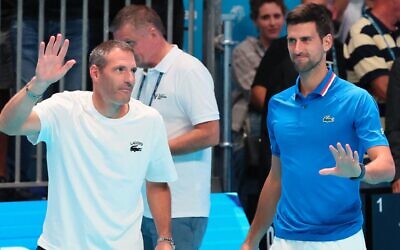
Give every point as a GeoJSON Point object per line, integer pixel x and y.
{"type": "Point", "coordinates": [51, 67]}
{"type": "Point", "coordinates": [347, 162]}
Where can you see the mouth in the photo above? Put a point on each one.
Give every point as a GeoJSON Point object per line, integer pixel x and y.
{"type": "Point", "coordinates": [273, 31]}
{"type": "Point", "coordinates": [126, 90]}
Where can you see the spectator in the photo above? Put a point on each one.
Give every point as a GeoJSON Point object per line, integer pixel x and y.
{"type": "Point", "coordinates": [308, 174]}
{"type": "Point", "coordinates": [182, 90]}
{"type": "Point", "coordinates": [392, 121]}
{"type": "Point", "coordinates": [95, 175]}
{"type": "Point", "coordinates": [268, 18]}
{"type": "Point", "coordinates": [372, 46]}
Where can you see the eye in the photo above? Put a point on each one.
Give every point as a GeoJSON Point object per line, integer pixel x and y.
{"type": "Point", "coordinates": [120, 69]}
{"type": "Point", "coordinates": [265, 17]}
{"type": "Point", "coordinates": [306, 39]}
{"type": "Point", "coordinates": [133, 70]}
{"type": "Point", "coordinates": [131, 43]}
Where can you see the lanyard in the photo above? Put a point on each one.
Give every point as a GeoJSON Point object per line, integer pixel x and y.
{"type": "Point", "coordinates": [155, 87]}
{"type": "Point", "coordinates": [376, 26]}
{"type": "Point", "coordinates": [334, 63]}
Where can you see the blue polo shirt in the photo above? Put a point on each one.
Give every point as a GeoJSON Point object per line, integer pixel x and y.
{"type": "Point", "coordinates": [313, 207]}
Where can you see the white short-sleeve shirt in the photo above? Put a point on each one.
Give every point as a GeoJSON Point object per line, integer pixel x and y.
{"type": "Point", "coordinates": [96, 169]}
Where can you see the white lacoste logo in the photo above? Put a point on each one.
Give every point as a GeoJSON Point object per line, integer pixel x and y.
{"type": "Point", "coordinates": [328, 119]}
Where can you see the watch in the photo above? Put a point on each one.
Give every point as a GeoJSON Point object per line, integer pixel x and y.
{"type": "Point", "coordinates": [167, 239]}
{"type": "Point", "coordinates": [362, 173]}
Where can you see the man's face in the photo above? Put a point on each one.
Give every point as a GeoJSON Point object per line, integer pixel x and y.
{"type": "Point", "coordinates": [306, 48]}
{"type": "Point", "coordinates": [141, 42]}
{"type": "Point", "coordinates": [114, 82]}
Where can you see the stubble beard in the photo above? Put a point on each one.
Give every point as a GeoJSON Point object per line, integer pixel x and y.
{"type": "Point", "coordinates": [308, 66]}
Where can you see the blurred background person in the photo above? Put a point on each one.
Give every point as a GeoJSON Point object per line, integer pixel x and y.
{"type": "Point", "coordinates": [268, 17]}
{"type": "Point", "coordinates": [392, 121]}
{"type": "Point", "coordinates": [371, 47]}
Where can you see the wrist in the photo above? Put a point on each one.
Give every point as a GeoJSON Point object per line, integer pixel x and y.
{"type": "Point", "coordinates": [167, 240]}
{"type": "Point", "coordinates": [362, 173]}
{"type": "Point", "coordinates": [31, 94]}
{"type": "Point", "coordinates": [34, 88]}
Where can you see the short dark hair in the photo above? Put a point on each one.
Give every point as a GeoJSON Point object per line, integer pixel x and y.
{"type": "Point", "coordinates": [98, 55]}
{"type": "Point", "coordinates": [256, 4]}
{"type": "Point", "coordinates": [312, 12]}
{"type": "Point", "coordinates": [138, 16]}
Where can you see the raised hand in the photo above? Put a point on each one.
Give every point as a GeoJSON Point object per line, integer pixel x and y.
{"type": "Point", "coordinates": [347, 162]}
{"type": "Point", "coordinates": [50, 66]}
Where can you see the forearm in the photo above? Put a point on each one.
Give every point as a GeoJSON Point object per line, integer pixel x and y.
{"type": "Point", "coordinates": [379, 87]}
{"type": "Point", "coordinates": [17, 111]}
{"type": "Point", "coordinates": [257, 97]}
{"type": "Point", "coordinates": [159, 199]}
{"type": "Point", "coordinates": [377, 172]}
{"type": "Point", "coordinates": [201, 136]}
{"type": "Point", "coordinates": [266, 208]}
{"type": "Point", "coordinates": [381, 167]}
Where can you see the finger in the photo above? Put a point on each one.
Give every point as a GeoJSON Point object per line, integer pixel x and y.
{"type": "Point", "coordinates": [349, 152]}
{"type": "Point", "coordinates": [327, 171]}
{"type": "Point", "coordinates": [64, 49]}
{"type": "Point", "coordinates": [334, 152]}
{"type": "Point", "coordinates": [50, 45]}
{"type": "Point", "coordinates": [57, 44]}
{"type": "Point", "coordinates": [42, 47]}
{"type": "Point", "coordinates": [356, 156]}
{"type": "Point", "coordinates": [340, 149]}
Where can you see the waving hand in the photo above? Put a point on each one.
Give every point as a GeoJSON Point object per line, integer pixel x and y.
{"type": "Point", "coordinates": [51, 67]}
{"type": "Point", "coordinates": [347, 162]}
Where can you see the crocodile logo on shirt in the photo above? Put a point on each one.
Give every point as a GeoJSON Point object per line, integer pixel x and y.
{"type": "Point", "coordinates": [136, 146]}
{"type": "Point", "coordinates": [328, 119]}
{"type": "Point", "coordinates": [160, 96]}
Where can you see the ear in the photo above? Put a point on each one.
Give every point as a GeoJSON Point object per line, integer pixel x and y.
{"type": "Point", "coordinates": [327, 42]}
{"type": "Point", "coordinates": [94, 72]}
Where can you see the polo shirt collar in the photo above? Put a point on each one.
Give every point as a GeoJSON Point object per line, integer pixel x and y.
{"type": "Point", "coordinates": [322, 88]}
{"type": "Point", "coordinates": [168, 60]}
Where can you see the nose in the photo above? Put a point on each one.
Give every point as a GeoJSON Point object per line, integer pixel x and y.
{"type": "Point", "coordinates": [297, 47]}
{"type": "Point", "coordinates": [272, 22]}
{"type": "Point", "coordinates": [130, 77]}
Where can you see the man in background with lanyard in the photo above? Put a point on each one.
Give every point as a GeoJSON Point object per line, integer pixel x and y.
{"type": "Point", "coordinates": [371, 47]}
{"type": "Point", "coordinates": [182, 90]}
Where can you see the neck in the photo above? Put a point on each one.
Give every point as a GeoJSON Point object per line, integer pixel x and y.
{"type": "Point", "coordinates": [108, 109]}
{"type": "Point", "coordinates": [265, 42]}
{"type": "Point", "coordinates": [382, 12]}
{"type": "Point", "coordinates": [165, 47]}
{"type": "Point", "coordinates": [311, 79]}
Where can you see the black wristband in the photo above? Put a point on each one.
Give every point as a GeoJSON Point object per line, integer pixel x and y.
{"type": "Point", "coordinates": [362, 173]}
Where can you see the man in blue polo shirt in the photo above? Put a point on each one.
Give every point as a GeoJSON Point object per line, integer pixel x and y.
{"type": "Point", "coordinates": [319, 129]}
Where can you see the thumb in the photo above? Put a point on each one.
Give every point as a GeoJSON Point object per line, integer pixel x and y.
{"type": "Point", "coordinates": [67, 66]}
{"type": "Point", "coordinates": [327, 171]}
